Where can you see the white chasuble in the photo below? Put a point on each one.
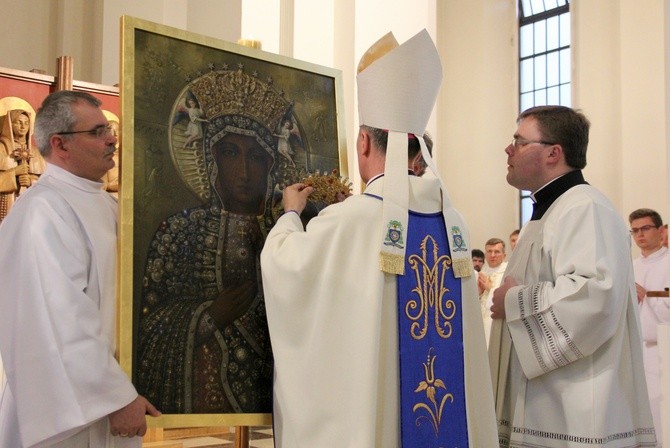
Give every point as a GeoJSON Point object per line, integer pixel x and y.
{"type": "Point", "coordinates": [333, 323]}
{"type": "Point", "coordinates": [57, 311]}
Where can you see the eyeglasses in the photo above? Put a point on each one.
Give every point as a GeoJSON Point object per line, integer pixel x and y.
{"type": "Point", "coordinates": [643, 229]}
{"type": "Point", "coordinates": [519, 142]}
{"type": "Point", "coordinates": [98, 131]}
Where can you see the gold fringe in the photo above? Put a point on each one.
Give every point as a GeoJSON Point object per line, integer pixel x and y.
{"type": "Point", "coordinates": [462, 267]}
{"type": "Point", "coordinates": [392, 263]}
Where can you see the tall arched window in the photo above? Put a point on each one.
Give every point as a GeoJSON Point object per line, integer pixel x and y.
{"type": "Point", "coordinates": [544, 62]}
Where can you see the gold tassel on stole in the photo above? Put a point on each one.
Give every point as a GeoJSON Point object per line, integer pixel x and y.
{"type": "Point", "coordinates": [392, 263]}
{"type": "Point", "coordinates": [462, 267]}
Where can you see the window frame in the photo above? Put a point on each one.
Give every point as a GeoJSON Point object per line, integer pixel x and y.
{"type": "Point", "coordinates": [562, 7]}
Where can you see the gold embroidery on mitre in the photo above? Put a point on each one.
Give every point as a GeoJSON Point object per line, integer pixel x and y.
{"type": "Point", "coordinates": [233, 92]}
{"type": "Point", "coordinates": [377, 50]}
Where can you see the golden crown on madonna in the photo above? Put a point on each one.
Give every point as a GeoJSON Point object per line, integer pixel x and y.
{"type": "Point", "coordinates": [233, 92]}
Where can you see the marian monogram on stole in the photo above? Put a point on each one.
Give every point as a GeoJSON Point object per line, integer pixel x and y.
{"type": "Point", "coordinates": [430, 310]}
{"type": "Point", "coordinates": [431, 349]}
{"type": "Point", "coordinates": [430, 288]}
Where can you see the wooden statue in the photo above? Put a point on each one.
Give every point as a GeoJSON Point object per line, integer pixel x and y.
{"type": "Point", "coordinates": [21, 164]}
{"type": "Point", "coordinates": [111, 179]}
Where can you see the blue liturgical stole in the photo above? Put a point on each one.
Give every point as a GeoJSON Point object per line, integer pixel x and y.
{"type": "Point", "coordinates": [430, 324]}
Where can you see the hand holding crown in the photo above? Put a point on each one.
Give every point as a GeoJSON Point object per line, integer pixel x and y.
{"type": "Point", "coordinates": [328, 188]}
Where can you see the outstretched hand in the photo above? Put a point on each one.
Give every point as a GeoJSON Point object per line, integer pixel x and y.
{"type": "Point", "coordinates": [295, 197]}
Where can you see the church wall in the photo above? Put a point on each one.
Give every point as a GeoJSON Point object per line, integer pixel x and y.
{"type": "Point", "coordinates": [619, 82]}
{"type": "Point", "coordinates": [477, 111]}
{"type": "Point", "coordinates": [26, 42]}
{"type": "Point", "coordinates": [644, 142]}
{"type": "Point", "coordinates": [260, 21]}
{"type": "Point", "coordinates": [313, 33]}
{"type": "Point", "coordinates": [345, 38]}
{"type": "Point", "coordinates": [596, 89]}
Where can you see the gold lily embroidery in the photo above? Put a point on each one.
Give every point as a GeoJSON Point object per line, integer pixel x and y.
{"type": "Point", "coordinates": [431, 386]}
{"type": "Point", "coordinates": [430, 289]}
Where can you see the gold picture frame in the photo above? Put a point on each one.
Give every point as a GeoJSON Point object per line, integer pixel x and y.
{"type": "Point", "coordinates": [184, 98]}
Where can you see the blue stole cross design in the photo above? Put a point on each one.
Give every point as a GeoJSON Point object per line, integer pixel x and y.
{"type": "Point", "coordinates": [430, 324]}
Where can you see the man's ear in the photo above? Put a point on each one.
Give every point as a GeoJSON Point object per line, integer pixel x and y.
{"type": "Point", "coordinates": [58, 146]}
{"type": "Point", "coordinates": [556, 154]}
{"type": "Point", "coordinates": [364, 147]}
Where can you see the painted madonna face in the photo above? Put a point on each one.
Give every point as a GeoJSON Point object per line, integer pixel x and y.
{"type": "Point", "coordinates": [243, 167]}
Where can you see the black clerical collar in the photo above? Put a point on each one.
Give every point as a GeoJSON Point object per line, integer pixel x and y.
{"type": "Point", "coordinates": [546, 195]}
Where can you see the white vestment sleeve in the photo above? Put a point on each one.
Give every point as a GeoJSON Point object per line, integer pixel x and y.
{"type": "Point", "coordinates": [581, 297]}
{"type": "Point", "coordinates": [325, 317]}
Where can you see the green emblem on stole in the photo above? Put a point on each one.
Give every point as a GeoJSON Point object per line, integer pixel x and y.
{"type": "Point", "coordinates": [459, 242]}
{"type": "Point", "coordinates": [394, 235]}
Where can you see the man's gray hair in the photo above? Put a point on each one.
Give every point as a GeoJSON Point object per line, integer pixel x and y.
{"type": "Point", "coordinates": [56, 115]}
{"type": "Point", "coordinates": [380, 138]}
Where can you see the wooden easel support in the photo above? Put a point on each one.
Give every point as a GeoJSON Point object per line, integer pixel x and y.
{"type": "Point", "coordinates": [155, 437]}
{"type": "Point", "coordinates": [241, 437]}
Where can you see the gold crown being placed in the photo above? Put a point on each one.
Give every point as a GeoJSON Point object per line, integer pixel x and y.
{"type": "Point", "coordinates": [233, 92]}
{"type": "Point", "coordinates": [328, 186]}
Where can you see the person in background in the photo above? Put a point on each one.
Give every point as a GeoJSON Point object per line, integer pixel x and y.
{"type": "Point", "coordinates": [489, 279]}
{"type": "Point", "coordinates": [477, 259]}
{"type": "Point", "coordinates": [58, 301]}
{"type": "Point", "coordinates": [652, 275]}
{"type": "Point", "coordinates": [513, 237]}
{"type": "Point", "coordinates": [566, 352]}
